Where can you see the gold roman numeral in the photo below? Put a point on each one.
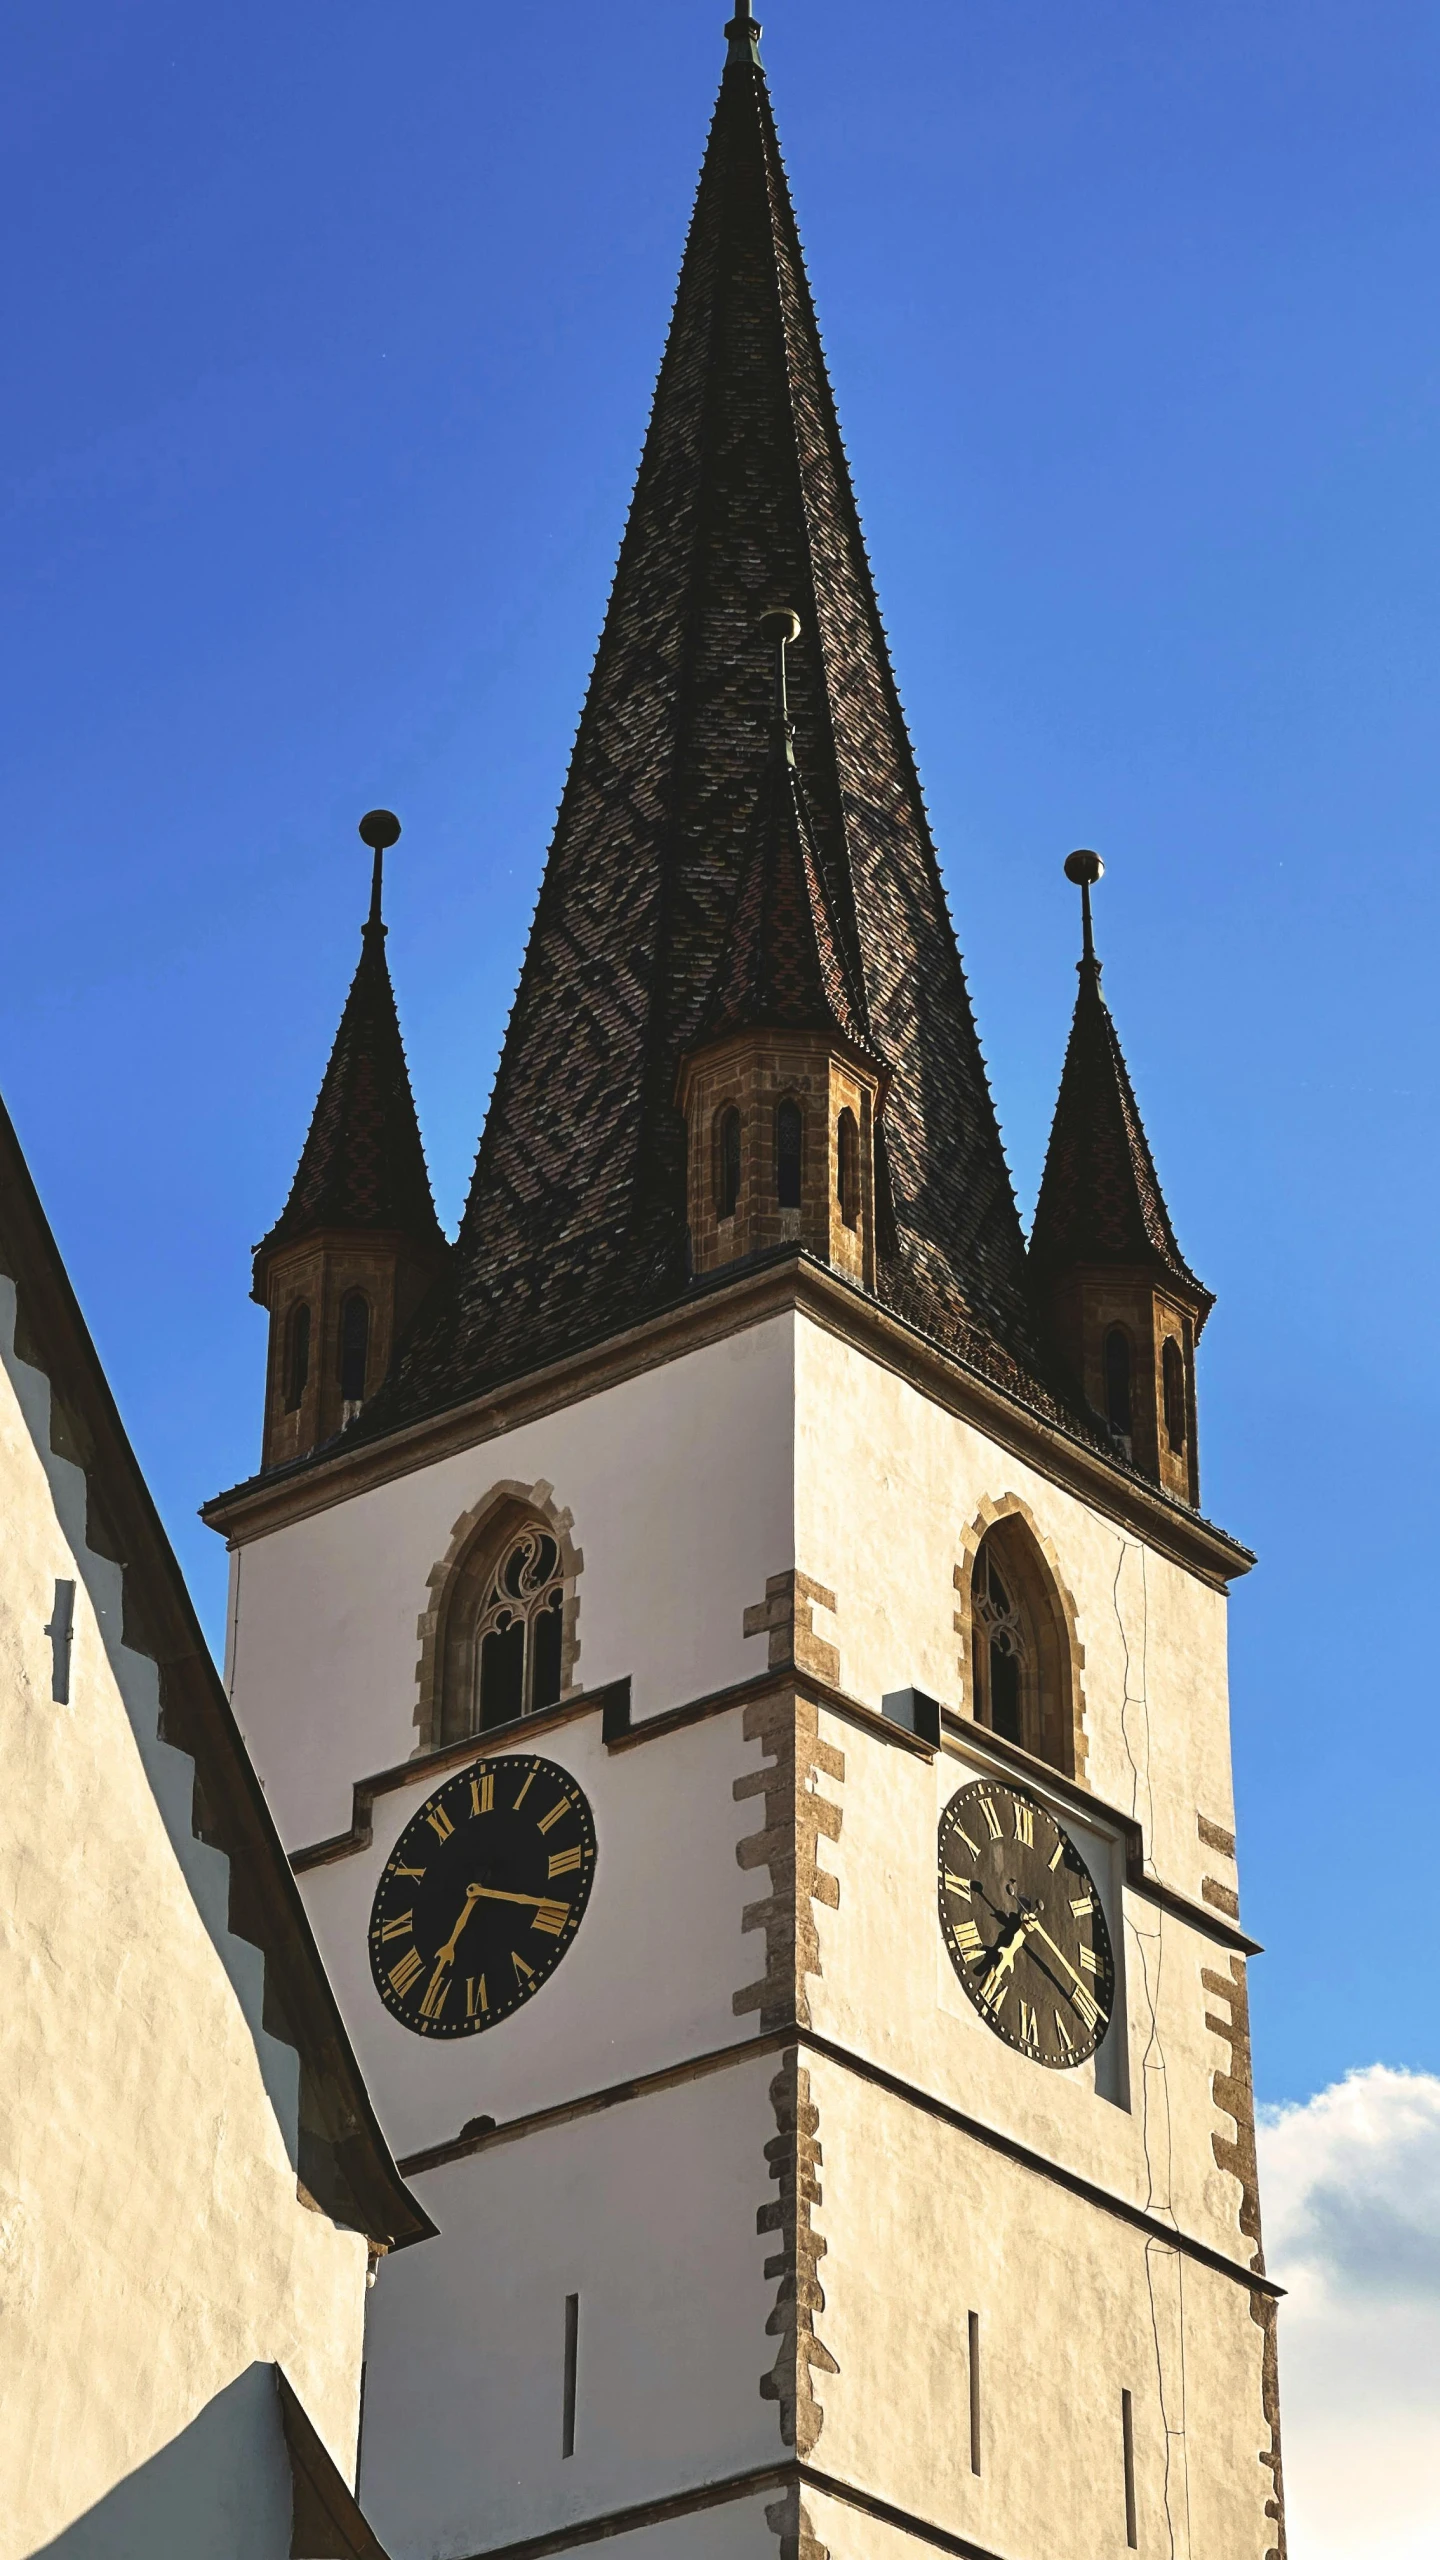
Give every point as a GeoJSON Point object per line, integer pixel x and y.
{"type": "Point", "coordinates": [957, 1884]}
{"type": "Point", "coordinates": [436, 1992]}
{"type": "Point", "coordinates": [525, 1790]}
{"type": "Point", "coordinates": [1089, 1962]}
{"type": "Point", "coordinates": [415, 1874]}
{"type": "Point", "coordinates": [1083, 1908]}
{"type": "Point", "coordinates": [1029, 2027]}
{"type": "Point", "coordinates": [972, 1845]}
{"type": "Point", "coordinates": [1024, 1822]}
{"type": "Point", "coordinates": [1062, 2031]}
{"type": "Point", "coordinates": [551, 1917]}
{"type": "Point", "coordinates": [969, 1941]}
{"type": "Point", "coordinates": [994, 1993]}
{"type": "Point", "coordinates": [523, 1972]}
{"type": "Point", "coordinates": [991, 1817]}
{"type": "Point", "coordinates": [400, 1927]}
{"type": "Point", "coordinates": [440, 1822]}
{"type": "Point", "coordinates": [408, 1970]}
{"type": "Point", "coordinates": [1090, 2016]}
{"type": "Point", "coordinates": [548, 1820]}
{"type": "Point", "coordinates": [482, 1792]}
{"type": "Point", "coordinates": [564, 1862]}
{"type": "Point", "coordinates": [1059, 1853]}
{"type": "Point", "coordinates": [477, 1998]}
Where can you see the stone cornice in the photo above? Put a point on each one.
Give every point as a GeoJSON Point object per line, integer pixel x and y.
{"type": "Point", "coordinates": [789, 1284]}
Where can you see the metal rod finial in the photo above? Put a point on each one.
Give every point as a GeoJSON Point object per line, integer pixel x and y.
{"type": "Point", "coordinates": [1085, 868]}
{"type": "Point", "coordinates": [781, 627]}
{"type": "Point", "coordinates": [379, 828]}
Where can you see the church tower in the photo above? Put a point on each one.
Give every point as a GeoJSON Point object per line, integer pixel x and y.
{"type": "Point", "coordinates": [749, 1720]}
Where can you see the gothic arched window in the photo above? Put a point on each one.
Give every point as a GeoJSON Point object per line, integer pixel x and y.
{"type": "Point", "coordinates": [1172, 1382]}
{"type": "Point", "coordinates": [727, 1163]}
{"type": "Point", "coordinates": [847, 1168]}
{"type": "Point", "coordinates": [354, 1347]}
{"type": "Point", "coordinates": [1117, 1380]}
{"type": "Point", "coordinates": [1020, 1652]}
{"type": "Point", "coordinates": [297, 1357]}
{"type": "Point", "coordinates": [504, 1629]}
{"type": "Point", "coordinates": [789, 1146]}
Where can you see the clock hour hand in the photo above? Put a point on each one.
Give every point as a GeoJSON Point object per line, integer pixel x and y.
{"type": "Point", "coordinates": [1079, 1982]}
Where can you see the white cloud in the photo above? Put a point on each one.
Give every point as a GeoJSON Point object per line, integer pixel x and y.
{"type": "Point", "coordinates": [1350, 2188]}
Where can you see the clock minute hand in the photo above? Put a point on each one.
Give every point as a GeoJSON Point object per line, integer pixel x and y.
{"type": "Point", "coordinates": [492, 1893]}
{"type": "Point", "coordinates": [1080, 1984]}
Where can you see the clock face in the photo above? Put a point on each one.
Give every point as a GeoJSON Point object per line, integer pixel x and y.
{"type": "Point", "coordinates": [482, 1896]}
{"type": "Point", "coordinates": [1022, 1920]}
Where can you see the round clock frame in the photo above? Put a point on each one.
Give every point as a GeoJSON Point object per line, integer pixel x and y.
{"type": "Point", "coordinates": [1023, 1924]}
{"type": "Point", "coordinates": [482, 1895]}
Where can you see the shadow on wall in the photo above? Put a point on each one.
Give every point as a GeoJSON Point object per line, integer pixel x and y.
{"type": "Point", "coordinates": [247, 2480]}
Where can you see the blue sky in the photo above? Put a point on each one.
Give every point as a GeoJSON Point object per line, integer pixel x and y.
{"type": "Point", "coordinates": [329, 339]}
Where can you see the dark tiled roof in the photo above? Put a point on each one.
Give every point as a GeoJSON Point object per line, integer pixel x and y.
{"type": "Point", "coordinates": [780, 964]}
{"type": "Point", "coordinates": [1100, 1197]}
{"type": "Point", "coordinates": [576, 1216]}
{"type": "Point", "coordinates": [363, 1164]}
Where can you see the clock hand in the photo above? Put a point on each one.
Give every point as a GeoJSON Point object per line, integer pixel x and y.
{"type": "Point", "coordinates": [1079, 1983]}
{"type": "Point", "coordinates": [1000, 1970]}
{"type": "Point", "coordinates": [492, 1893]}
{"type": "Point", "coordinates": [446, 1954]}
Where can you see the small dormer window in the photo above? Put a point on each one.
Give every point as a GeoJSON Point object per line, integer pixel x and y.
{"type": "Point", "coordinates": [297, 1357]}
{"type": "Point", "coordinates": [354, 1350]}
{"type": "Point", "coordinates": [789, 1149]}
{"type": "Point", "coordinates": [727, 1163]}
{"type": "Point", "coordinates": [1172, 1384]}
{"type": "Point", "coordinates": [1117, 1381]}
{"type": "Point", "coordinates": [847, 1168]}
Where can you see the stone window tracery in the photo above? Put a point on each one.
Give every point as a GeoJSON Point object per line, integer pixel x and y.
{"type": "Point", "coordinates": [1022, 1673]}
{"type": "Point", "coordinates": [505, 1640]}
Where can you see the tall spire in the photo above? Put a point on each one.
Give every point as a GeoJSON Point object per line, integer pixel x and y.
{"type": "Point", "coordinates": [1100, 1197]}
{"type": "Point", "coordinates": [363, 1165]}
{"type": "Point", "coordinates": [576, 1219]}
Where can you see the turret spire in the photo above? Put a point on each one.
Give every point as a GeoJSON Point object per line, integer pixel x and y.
{"type": "Point", "coordinates": [744, 32]}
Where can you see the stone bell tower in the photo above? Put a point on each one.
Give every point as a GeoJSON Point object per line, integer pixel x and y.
{"type": "Point", "coordinates": [749, 1717]}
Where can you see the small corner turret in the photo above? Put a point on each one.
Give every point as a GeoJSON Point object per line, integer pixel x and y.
{"type": "Point", "coordinates": [1125, 1309]}
{"type": "Point", "coordinates": [357, 1246]}
{"type": "Point", "coordinates": [781, 1090]}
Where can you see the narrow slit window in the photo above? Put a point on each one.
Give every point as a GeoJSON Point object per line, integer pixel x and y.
{"type": "Point", "coordinates": [727, 1163]}
{"type": "Point", "coordinates": [789, 1147]}
{"type": "Point", "coordinates": [975, 2393]}
{"type": "Point", "coordinates": [572, 2360]}
{"type": "Point", "coordinates": [1172, 1381]}
{"type": "Point", "coordinates": [847, 1168]}
{"type": "Point", "coordinates": [354, 1347]}
{"type": "Point", "coordinates": [1117, 1381]}
{"type": "Point", "coordinates": [1127, 2443]}
{"type": "Point", "coordinates": [297, 1357]}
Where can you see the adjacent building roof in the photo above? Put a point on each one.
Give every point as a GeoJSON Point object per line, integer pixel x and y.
{"type": "Point", "coordinates": [576, 1217]}
{"type": "Point", "coordinates": [363, 1163]}
{"type": "Point", "coordinates": [345, 2161]}
{"type": "Point", "coordinates": [1100, 1197]}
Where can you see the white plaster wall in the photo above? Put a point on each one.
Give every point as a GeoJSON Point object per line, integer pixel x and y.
{"type": "Point", "coordinates": [888, 1991]}
{"type": "Point", "coordinates": [732, 2532]}
{"type": "Point", "coordinates": [153, 2249]}
{"type": "Point", "coordinates": [681, 1483]}
{"type": "Point", "coordinates": [647, 2212]}
{"type": "Point", "coordinates": [922, 2227]}
{"type": "Point", "coordinates": [648, 1979]}
{"type": "Point", "coordinates": [887, 1485]}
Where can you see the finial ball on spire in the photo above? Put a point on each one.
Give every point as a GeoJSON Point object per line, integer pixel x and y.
{"type": "Point", "coordinates": [781, 624]}
{"type": "Point", "coordinates": [1084, 868]}
{"type": "Point", "coordinates": [379, 828]}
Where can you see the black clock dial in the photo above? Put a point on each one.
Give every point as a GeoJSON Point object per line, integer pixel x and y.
{"type": "Point", "coordinates": [481, 1896]}
{"type": "Point", "coordinates": [1023, 1924]}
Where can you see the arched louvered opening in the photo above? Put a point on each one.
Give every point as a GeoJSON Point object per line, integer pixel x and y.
{"type": "Point", "coordinates": [1173, 1395]}
{"type": "Point", "coordinates": [847, 1168]}
{"type": "Point", "coordinates": [297, 1357]}
{"type": "Point", "coordinates": [727, 1162]}
{"type": "Point", "coordinates": [1020, 1647]}
{"type": "Point", "coordinates": [789, 1154]}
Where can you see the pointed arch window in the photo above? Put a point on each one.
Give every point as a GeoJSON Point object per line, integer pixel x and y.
{"type": "Point", "coordinates": [789, 1154]}
{"type": "Point", "coordinates": [1118, 1399]}
{"type": "Point", "coordinates": [354, 1350]}
{"type": "Point", "coordinates": [504, 1633]}
{"type": "Point", "coordinates": [727, 1163]}
{"type": "Point", "coordinates": [297, 1356]}
{"type": "Point", "coordinates": [1172, 1386]}
{"type": "Point", "coordinates": [1020, 1649]}
{"type": "Point", "coordinates": [847, 1168]}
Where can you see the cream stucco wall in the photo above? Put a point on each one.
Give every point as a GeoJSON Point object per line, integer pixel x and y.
{"type": "Point", "coordinates": [153, 2248]}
